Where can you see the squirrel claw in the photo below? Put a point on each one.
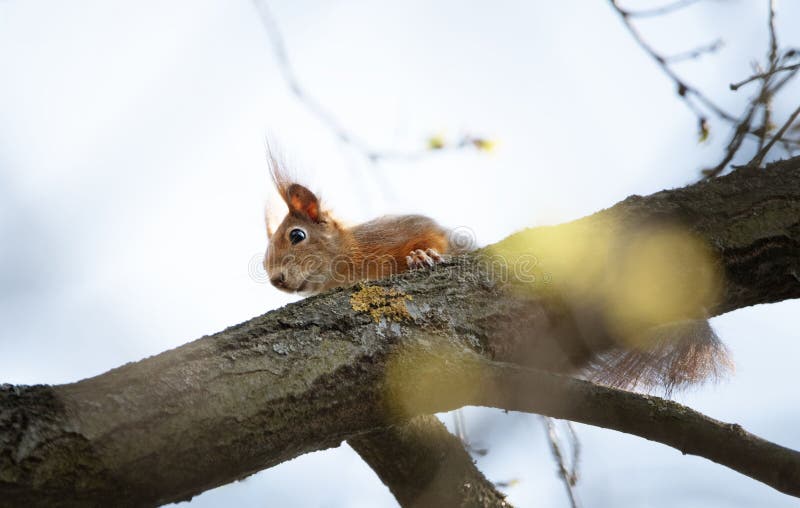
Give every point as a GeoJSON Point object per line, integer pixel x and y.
{"type": "Point", "coordinates": [434, 255]}
{"type": "Point", "coordinates": [423, 258]}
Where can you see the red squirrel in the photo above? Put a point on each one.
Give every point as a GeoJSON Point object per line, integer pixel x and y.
{"type": "Point", "coordinates": [310, 251]}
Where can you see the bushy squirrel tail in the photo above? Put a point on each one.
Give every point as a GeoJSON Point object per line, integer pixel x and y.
{"type": "Point", "coordinates": [671, 356]}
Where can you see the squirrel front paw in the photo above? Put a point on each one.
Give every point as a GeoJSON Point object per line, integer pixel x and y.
{"type": "Point", "coordinates": [423, 258]}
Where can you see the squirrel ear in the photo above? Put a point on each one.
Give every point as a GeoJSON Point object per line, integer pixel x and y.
{"type": "Point", "coordinates": [303, 201]}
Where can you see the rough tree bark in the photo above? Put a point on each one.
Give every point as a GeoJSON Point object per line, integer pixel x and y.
{"type": "Point", "coordinates": [424, 465]}
{"type": "Point", "coordinates": [356, 361]}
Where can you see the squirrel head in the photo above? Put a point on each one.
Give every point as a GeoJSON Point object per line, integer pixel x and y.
{"type": "Point", "coordinates": [301, 253]}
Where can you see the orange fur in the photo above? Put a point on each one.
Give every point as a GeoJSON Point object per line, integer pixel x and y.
{"type": "Point", "coordinates": [332, 255]}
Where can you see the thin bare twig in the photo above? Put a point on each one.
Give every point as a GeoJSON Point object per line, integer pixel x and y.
{"type": "Point", "coordinates": [460, 426]}
{"type": "Point", "coordinates": [739, 134]}
{"type": "Point", "coordinates": [773, 38]}
{"type": "Point", "coordinates": [660, 11]}
{"type": "Point", "coordinates": [755, 77]}
{"type": "Point", "coordinates": [759, 158]}
{"type": "Point", "coordinates": [694, 53]}
{"type": "Point", "coordinates": [765, 96]}
{"type": "Point", "coordinates": [699, 103]}
{"type": "Point", "coordinates": [744, 128]}
{"type": "Point", "coordinates": [329, 119]}
{"type": "Point", "coordinates": [569, 475]}
{"type": "Point", "coordinates": [685, 91]}
{"type": "Point", "coordinates": [762, 101]}
{"type": "Point", "coordinates": [282, 55]}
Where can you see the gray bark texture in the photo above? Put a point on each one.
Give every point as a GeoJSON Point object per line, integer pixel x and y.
{"type": "Point", "coordinates": [364, 363]}
{"type": "Point", "coordinates": [424, 465]}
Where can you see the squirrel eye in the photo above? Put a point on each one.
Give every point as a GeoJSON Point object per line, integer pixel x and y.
{"type": "Point", "coordinates": [296, 236]}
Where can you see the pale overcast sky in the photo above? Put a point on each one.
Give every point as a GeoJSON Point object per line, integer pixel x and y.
{"type": "Point", "coordinates": [133, 181]}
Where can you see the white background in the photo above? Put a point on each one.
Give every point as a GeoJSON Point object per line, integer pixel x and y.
{"type": "Point", "coordinates": [133, 181]}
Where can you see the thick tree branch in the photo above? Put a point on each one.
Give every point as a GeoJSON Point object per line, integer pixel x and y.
{"type": "Point", "coordinates": [315, 373]}
{"type": "Point", "coordinates": [424, 465]}
{"type": "Point", "coordinates": [511, 387]}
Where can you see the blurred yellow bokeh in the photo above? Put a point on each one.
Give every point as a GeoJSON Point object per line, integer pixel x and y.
{"type": "Point", "coordinates": [637, 280]}
{"type": "Point", "coordinates": [425, 375]}
{"type": "Point", "coordinates": [661, 276]}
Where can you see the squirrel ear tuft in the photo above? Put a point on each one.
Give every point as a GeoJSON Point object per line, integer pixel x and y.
{"type": "Point", "coordinates": [299, 199]}
{"type": "Point", "coordinates": [268, 224]}
{"type": "Point", "coordinates": [303, 201]}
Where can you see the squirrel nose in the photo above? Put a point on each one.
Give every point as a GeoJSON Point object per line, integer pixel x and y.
{"type": "Point", "coordinates": [279, 281]}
